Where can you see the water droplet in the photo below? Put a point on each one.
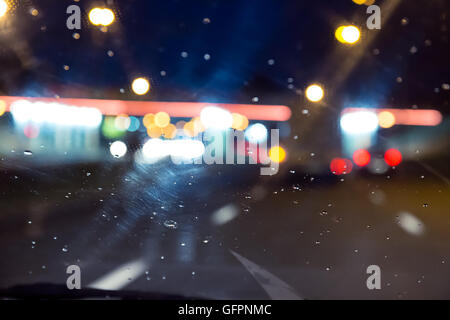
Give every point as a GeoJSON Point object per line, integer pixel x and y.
{"type": "Point", "coordinates": [28, 153]}
{"type": "Point", "coordinates": [170, 224]}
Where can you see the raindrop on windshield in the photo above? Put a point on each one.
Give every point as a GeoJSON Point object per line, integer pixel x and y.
{"type": "Point", "coordinates": [170, 224]}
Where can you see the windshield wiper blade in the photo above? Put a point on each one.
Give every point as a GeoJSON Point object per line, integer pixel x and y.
{"type": "Point", "coordinates": [49, 291]}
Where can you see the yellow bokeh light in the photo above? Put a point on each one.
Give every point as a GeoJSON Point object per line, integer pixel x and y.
{"type": "Point", "coordinates": [359, 1]}
{"type": "Point", "coordinates": [140, 86]}
{"type": "Point", "coordinates": [162, 119]}
{"type": "Point", "coordinates": [314, 93]}
{"type": "Point", "coordinates": [170, 131]}
{"type": "Point", "coordinates": [153, 131]}
{"type": "Point", "coordinates": [3, 8]}
{"type": "Point", "coordinates": [244, 123]}
{"type": "Point", "coordinates": [148, 119]}
{"type": "Point", "coordinates": [386, 119]}
{"type": "Point", "coordinates": [338, 34]}
{"type": "Point", "coordinates": [2, 107]}
{"type": "Point", "coordinates": [277, 154]}
{"type": "Point", "coordinates": [189, 129]}
{"type": "Point", "coordinates": [198, 125]}
{"type": "Point", "coordinates": [347, 34]}
{"type": "Point", "coordinates": [240, 122]}
{"type": "Point", "coordinates": [101, 17]}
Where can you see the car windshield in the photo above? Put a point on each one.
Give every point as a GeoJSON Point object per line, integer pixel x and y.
{"type": "Point", "coordinates": [255, 149]}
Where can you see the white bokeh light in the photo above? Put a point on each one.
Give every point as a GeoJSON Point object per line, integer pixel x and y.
{"type": "Point", "coordinates": [256, 133]}
{"type": "Point", "coordinates": [216, 118]}
{"type": "Point", "coordinates": [140, 86]}
{"type": "Point", "coordinates": [3, 8]}
{"type": "Point", "coordinates": [24, 111]}
{"type": "Point", "coordinates": [118, 149]}
{"type": "Point", "coordinates": [359, 122]}
{"type": "Point", "coordinates": [351, 34]}
{"type": "Point", "coordinates": [314, 93]}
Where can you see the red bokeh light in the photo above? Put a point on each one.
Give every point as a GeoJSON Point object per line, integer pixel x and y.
{"type": "Point", "coordinates": [361, 157]}
{"type": "Point", "coordinates": [393, 157]}
{"type": "Point", "coordinates": [341, 166]}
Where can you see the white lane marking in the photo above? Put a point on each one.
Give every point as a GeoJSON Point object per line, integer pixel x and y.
{"type": "Point", "coordinates": [276, 288]}
{"type": "Point", "coordinates": [120, 277]}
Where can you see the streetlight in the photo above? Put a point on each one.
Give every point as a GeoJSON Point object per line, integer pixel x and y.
{"type": "Point", "coordinates": [140, 86]}
{"type": "Point", "coordinates": [348, 34]}
{"type": "Point", "coordinates": [101, 17]}
{"type": "Point", "coordinates": [3, 8]}
{"type": "Point", "coordinates": [314, 93]}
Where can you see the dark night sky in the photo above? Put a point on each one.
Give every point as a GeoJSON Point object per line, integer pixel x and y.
{"type": "Point", "coordinates": [149, 36]}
